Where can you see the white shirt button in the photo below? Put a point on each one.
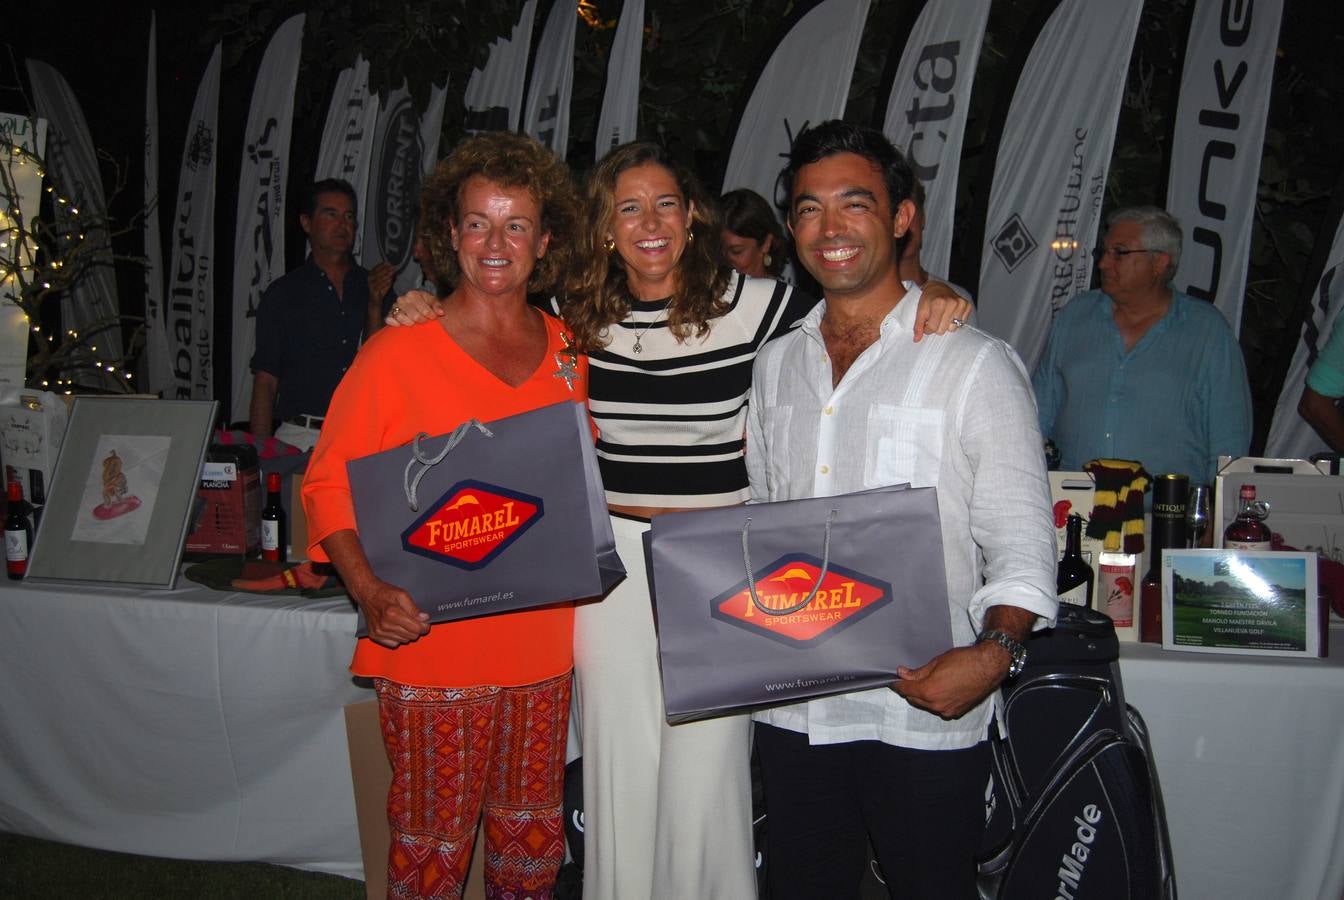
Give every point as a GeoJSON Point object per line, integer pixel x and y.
{"type": "Point", "coordinates": [825, 470]}
{"type": "Point", "coordinates": [828, 410]}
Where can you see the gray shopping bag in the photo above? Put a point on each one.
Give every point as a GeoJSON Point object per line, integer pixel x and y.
{"type": "Point", "coordinates": [762, 604]}
{"type": "Point", "coordinates": [499, 516]}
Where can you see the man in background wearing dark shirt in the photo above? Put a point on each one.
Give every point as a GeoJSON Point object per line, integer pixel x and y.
{"type": "Point", "coordinates": [311, 320]}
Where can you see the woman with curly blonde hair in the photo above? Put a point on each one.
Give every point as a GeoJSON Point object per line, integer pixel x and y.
{"type": "Point", "coordinates": [474, 712]}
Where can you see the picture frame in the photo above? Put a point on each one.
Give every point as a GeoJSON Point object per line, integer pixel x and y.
{"type": "Point", "coordinates": [1249, 602]}
{"type": "Point", "coordinates": [120, 501]}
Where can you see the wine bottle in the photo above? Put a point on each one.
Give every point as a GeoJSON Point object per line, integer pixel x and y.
{"type": "Point", "coordinates": [1117, 586]}
{"type": "Point", "coordinates": [1170, 493]}
{"type": "Point", "coordinates": [273, 522]}
{"type": "Point", "coordinates": [1073, 576]}
{"type": "Point", "coordinates": [18, 534]}
{"type": "Point", "coordinates": [1248, 530]}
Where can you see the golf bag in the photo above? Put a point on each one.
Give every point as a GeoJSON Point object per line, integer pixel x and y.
{"type": "Point", "coordinates": [1074, 809]}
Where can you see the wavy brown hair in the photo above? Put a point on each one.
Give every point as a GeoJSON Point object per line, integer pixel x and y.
{"type": "Point", "coordinates": [510, 160]}
{"type": "Point", "coordinates": [599, 296]}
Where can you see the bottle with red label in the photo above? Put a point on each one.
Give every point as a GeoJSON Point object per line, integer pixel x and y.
{"type": "Point", "coordinates": [18, 534]}
{"type": "Point", "coordinates": [1248, 530]}
{"type": "Point", "coordinates": [273, 528]}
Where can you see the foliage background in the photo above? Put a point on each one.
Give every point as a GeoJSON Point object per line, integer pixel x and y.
{"type": "Point", "coordinates": [700, 62]}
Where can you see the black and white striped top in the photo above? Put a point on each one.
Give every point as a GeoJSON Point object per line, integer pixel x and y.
{"type": "Point", "coordinates": [672, 417]}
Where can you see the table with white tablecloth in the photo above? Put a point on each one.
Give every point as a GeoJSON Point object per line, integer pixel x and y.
{"type": "Point", "coordinates": [209, 725]}
{"type": "Point", "coordinates": [188, 723]}
{"type": "Point", "coordinates": [1250, 755]}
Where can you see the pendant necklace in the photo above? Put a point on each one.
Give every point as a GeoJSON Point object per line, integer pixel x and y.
{"type": "Point", "coordinates": [639, 338]}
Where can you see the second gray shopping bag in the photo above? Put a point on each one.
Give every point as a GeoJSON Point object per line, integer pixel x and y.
{"type": "Point", "coordinates": [762, 604]}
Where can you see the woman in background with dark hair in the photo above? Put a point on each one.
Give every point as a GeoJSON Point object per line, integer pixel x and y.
{"type": "Point", "coordinates": [752, 238]}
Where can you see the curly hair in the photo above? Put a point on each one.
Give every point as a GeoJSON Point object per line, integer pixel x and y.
{"type": "Point", "coordinates": [746, 213]}
{"type": "Point", "coordinates": [510, 160]}
{"type": "Point", "coordinates": [598, 295]}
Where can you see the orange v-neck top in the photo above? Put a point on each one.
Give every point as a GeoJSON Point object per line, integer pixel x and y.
{"type": "Point", "coordinates": [405, 381]}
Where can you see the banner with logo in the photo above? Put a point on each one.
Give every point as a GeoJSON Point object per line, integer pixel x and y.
{"type": "Point", "coordinates": [494, 97]}
{"type": "Point", "coordinates": [28, 138]}
{"type": "Point", "coordinates": [546, 114]}
{"type": "Point", "coordinates": [1290, 437]}
{"type": "Point", "coordinates": [1216, 145]}
{"type": "Point", "coordinates": [619, 122]}
{"type": "Point", "coordinates": [191, 264]}
{"type": "Point", "coordinates": [790, 95]}
{"type": "Point", "coordinates": [1050, 174]}
{"type": "Point", "coordinates": [72, 165]}
{"type": "Point", "coordinates": [926, 114]}
{"type": "Point", "coordinates": [405, 150]}
{"type": "Point", "coordinates": [834, 594]}
{"type": "Point", "coordinates": [347, 137]}
{"type": "Point", "coordinates": [155, 368]}
{"type": "Point", "coordinates": [259, 229]}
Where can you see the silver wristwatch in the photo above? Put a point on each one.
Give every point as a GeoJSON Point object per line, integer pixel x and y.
{"type": "Point", "coordinates": [1016, 649]}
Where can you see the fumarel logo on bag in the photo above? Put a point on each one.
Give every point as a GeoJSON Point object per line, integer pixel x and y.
{"type": "Point", "coordinates": [845, 597]}
{"type": "Point", "coordinates": [472, 524]}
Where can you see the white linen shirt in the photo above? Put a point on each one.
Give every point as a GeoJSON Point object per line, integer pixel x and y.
{"type": "Point", "coordinates": [954, 412]}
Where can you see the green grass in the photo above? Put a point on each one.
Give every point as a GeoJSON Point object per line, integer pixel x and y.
{"type": "Point", "coordinates": [31, 869]}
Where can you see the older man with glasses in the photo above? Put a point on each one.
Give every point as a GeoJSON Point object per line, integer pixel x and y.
{"type": "Point", "coordinates": [1139, 370]}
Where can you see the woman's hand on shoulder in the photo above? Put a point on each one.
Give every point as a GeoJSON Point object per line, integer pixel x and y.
{"type": "Point", "coordinates": [940, 310]}
{"type": "Point", "coordinates": [414, 307]}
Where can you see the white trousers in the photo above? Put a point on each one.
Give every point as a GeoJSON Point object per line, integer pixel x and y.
{"type": "Point", "coordinates": [667, 808]}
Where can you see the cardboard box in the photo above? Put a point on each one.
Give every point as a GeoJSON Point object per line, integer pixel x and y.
{"type": "Point", "coordinates": [231, 488]}
{"type": "Point", "coordinates": [298, 519]}
{"type": "Point", "coordinates": [1306, 506]}
{"type": "Point", "coordinates": [1073, 492]}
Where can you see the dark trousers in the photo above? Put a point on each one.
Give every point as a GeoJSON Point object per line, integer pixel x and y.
{"type": "Point", "coordinates": [923, 810]}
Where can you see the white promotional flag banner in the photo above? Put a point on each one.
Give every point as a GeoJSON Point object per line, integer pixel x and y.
{"type": "Point", "coordinates": [191, 276]}
{"type": "Point", "coordinates": [619, 121]}
{"type": "Point", "coordinates": [494, 97]}
{"type": "Point", "coordinates": [25, 176]}
{"type": "Point", "coordinates": [72, 165]}
{"type": "Point", "coordinates": [156, 367]}
{"type": "Point", "coordinates": [431, 126]}
{"type": "Point", "coordinates": [259, 229]}
{"type": "Point", "coordinates": [1215, 147]}
{"type": "Point", "coordinates": [546, 115]}
{"type": "Point", "coordinates": [926, 115]}
{"type": "Point", "coordinates": [791, 94]}
{"type": "Point", "coordinates": [405, 149]}
{"type": "Point", "coordinates": [1050, 174]}
{"type": "Point", "coordinates": [347, 138]}
{"type": "Point", "coordinates": [1290, 437]}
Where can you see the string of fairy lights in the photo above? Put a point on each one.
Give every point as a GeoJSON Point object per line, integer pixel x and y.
{"type": "Point", "coordinates": [19, 265]}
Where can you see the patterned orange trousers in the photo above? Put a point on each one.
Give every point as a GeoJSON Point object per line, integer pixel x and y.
{"type": "Point", "coordinates": [456, 752]}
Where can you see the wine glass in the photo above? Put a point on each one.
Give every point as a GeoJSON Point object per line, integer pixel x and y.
{"type": "Point", "coordinates": [1197, 513]}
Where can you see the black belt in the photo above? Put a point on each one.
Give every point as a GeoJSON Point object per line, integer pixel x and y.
{"type": "Point", "coordinates": [314, 422]}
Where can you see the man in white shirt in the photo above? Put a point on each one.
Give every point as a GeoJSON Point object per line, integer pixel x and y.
{"type": "Point", "coordinates": [846, 402]}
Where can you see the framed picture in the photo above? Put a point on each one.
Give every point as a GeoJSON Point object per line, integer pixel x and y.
{"type": "Point", "coordinates": [120, 501]}
{"type": "Point", "coordinates": [1254, 602]}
